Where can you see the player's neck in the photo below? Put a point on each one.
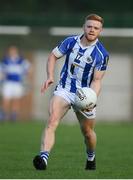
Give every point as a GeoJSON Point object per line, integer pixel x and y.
{"type": "Point", "coordinates": [85, 42]}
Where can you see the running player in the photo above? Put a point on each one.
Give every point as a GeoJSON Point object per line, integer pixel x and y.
{"type": "Point", "coordinates": [85, 65]}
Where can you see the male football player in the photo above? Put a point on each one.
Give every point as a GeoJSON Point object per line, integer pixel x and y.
{"type": "Point", "coordinates": [13, 69]}
{"type": "Point", "coordinates": [84, 66]}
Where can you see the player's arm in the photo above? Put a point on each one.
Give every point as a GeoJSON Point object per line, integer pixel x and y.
{"type": "Point", "coordinates": [99, 74]}
{"type": "Point", "coordinates": [57, 53]}
{"type": "Point", "coordinates": [50, 72]}
{"type": "Point", "coordinates": [96, 82]}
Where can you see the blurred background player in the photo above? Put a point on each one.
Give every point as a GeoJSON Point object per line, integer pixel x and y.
{"type": "Point", "coordinates": [85, 65]}
{"type": "Point", "coordinates": [14, 70]}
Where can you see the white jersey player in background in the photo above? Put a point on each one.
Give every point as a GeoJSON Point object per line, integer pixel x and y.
{"type": "Point", "coordinates": [85, 65]}
{"type": "Point", "coordinates": [14, 68]}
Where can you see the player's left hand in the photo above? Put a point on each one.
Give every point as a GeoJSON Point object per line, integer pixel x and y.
{"type": "Point", "coordinates": [89, 109]}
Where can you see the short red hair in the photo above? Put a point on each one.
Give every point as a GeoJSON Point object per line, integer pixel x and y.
{"type": "Point", "coordinates": [94, 17]}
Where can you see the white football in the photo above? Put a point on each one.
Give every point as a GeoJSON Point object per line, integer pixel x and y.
{"type": "Point", "coordinates": [85, 98]}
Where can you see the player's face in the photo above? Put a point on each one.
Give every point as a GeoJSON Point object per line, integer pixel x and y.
{"type": "Point", "coordinates": [92, 30]}
{"type": "Point", "coordinates": [13, 52]}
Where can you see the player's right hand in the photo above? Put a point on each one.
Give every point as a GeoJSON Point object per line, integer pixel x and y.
{"type": "Point", "coordinates": [46, 84]}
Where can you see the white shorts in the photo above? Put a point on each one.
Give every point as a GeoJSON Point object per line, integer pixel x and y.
{"type": "Point", "coordinates": [12, 90]}
{"type": "Point", "coordinates": [70, 98]}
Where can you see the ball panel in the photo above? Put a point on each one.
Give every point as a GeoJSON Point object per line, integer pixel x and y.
{"type": "Point", "coordinates": [85, 98]}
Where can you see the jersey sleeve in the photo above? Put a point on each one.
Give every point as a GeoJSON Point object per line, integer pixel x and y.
{"type": "Point", "coordinates": [62, 48]}
{"type": "Point", "coordinates": [3, 65]}
{"type": "Point", "coordinates": [1, 72]}
{"type": "Point", "coordinates": [26, 65]}
{"type": "Point", "coordinates": [102, 65]}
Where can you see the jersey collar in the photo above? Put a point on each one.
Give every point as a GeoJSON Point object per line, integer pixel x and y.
{"type": "Point", "coordinates": [79, 39]}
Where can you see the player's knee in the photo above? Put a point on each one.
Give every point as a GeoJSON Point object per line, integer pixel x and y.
{"type": "Point", "coordinates": [53, 122]}
{"type": "Point", "coordinates": [89, 133]}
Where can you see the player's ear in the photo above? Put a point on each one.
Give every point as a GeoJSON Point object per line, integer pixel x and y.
{"type": "Point", "coordinates": [101, 28]}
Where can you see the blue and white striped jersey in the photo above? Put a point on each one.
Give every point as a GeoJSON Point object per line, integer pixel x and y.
{"type": "Point", "coordinates": [80, 62]}
{"type": "Point", "coordinates": [14, 69]}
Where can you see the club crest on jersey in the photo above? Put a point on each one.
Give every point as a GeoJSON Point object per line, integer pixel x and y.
{"type": "Point", "coordinates": [89, 59]}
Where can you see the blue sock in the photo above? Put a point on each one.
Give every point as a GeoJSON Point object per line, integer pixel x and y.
{"type": "Point", "coordinates": [90, 155]}
{"type": "Point", "coordinates": [45, 156]}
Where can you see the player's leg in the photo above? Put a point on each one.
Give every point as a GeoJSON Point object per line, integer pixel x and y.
{"type": "Point", "coordinates": [6, 105]}
{"type": "Point", "coordinates": [87, 127]}
{"type": "Point", "coordinates": [15, 108]}
{"type": "Point", "coordinates": [17, 95]}
{"type": "Point", "coordinates": [6, 100]}
{"type": "Point", "coordinates": [58, 108]}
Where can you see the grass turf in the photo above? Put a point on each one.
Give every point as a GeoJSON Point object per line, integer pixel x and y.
{"type": "Point", "coordinates": [20, 142]}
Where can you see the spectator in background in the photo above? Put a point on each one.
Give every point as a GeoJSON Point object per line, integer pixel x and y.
{"type": "Point", "coordinates": [14, 69]}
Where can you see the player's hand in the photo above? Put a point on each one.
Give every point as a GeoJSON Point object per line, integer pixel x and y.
{"type": "Point", "coordinates": [46, 84]}
{"type": "Point", "coordinates": [89, 109]}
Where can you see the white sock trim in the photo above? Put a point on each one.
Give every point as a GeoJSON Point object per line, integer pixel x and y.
{"type": "Point", "coordinates": [45, 160]}
{"type": "Point", "coordinates": [91, 158]}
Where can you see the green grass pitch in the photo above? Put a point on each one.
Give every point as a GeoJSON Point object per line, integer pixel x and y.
{"type": "Point", "coordinates": [20, 142]}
